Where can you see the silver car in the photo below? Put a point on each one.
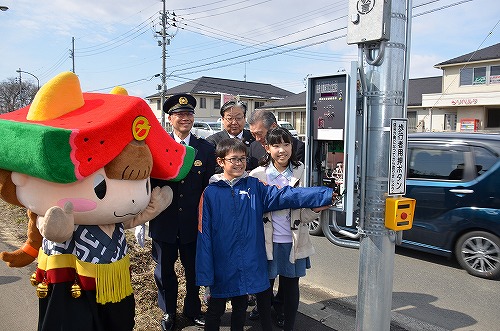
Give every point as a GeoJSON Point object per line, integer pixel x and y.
{"type": "Point", "coordinates": [205, 129]}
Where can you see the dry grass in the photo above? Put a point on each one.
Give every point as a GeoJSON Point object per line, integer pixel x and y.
{"type": "Point", "coordinates": [148, 314]}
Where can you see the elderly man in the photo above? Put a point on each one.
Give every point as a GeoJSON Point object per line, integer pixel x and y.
{"type": "Point", "coordinates": [175, 230]}
{"type": "Point", "coordinates": [260, 122]}
{"type": "Point", "coordinates": [233, 115]}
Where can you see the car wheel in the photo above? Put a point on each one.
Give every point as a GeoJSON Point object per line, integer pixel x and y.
{"type": "Point", "coordinates": [478, 252]}
{"type": "Point", "coordinates": [315, 228]}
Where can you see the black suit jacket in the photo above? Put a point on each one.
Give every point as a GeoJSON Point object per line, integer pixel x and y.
{"type": "Point", "coordinates": [219, 136]}
{"type": "Point", "coordinates": [256, 152]}
{"type": "Point", "coordinates": [180, 219]}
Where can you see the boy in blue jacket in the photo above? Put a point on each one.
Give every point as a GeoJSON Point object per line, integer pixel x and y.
{"type": "Point", "coordinates": [230, 255]}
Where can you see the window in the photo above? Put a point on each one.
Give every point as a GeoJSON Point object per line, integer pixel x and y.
{"type": "Point", "coordinates": [412, 121]}
{"type": "Point", "coordinates": [158, 104]}
{"type": "Point", "coordinates": [436, 163]}
{"type": "Point", "coordinates": [216, 103]}
{"type": "Point", "coordinates": [450, 122]}
{"type": "Point", "coordinates": [494, 75]}
{"type": "Point", "coordinates": [215, 126]}
{"type": "Point", "coordinates": [285, 116]}
{"type": "Point", "coordinates": [473, 76]}
{"type": "Point", "coordinates": [480, 75]}
{"type": "Point", "coordinates": [203, 103]}
{"type": "Point", "coordinates": [484, 159]}
{"type": "Point", "coordinates": [259, 104]}
{"type": "Point", "coordinates": [493, 117]}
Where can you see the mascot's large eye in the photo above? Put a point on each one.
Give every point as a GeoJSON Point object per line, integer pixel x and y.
{"type": "Point", "coordinates": [147, 187]}
{"type": "Point", "coordinates": [100, 186]}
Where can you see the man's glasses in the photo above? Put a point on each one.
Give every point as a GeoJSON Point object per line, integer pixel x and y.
{"type": "Point", "coordinates": [236, 160]}
{"type": "Point", "coordinates": [232, 119]}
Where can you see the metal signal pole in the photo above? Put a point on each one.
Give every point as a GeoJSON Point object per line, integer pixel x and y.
{"type": "Point", "coordinates": [379, 30]}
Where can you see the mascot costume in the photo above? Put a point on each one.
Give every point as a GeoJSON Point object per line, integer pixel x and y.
{"type": "Point", "coordinates": [81, 165]}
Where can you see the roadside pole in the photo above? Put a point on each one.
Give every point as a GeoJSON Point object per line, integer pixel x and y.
{"type": "Point", "coordinates": [383, 82]}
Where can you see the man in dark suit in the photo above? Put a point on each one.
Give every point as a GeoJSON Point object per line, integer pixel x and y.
{"type": "Point", "coordinates": [260, 122]}
{"type": "Point", "coordinates": [175, 229]}
{"type": "Point", "coordinates": [233, 114]}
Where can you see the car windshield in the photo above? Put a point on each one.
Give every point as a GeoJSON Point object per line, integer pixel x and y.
{"type": "Point", "coordinates": [287, 126]}
{"type": "Point", "coordinates": [215, 126]}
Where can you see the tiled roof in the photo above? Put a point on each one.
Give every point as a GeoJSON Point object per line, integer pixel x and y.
{"type": "Point", "coordinates": [295, 100]}
{"type": "Point", "coordinates": [419, 86]}
{"type": "Point", "coordinates": [488, 53]}
{"type": "Point", "coordinates": [211, 85]}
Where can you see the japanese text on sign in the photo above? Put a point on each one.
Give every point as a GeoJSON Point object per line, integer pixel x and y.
{"type": "Point", "coordinates": [398, 148]}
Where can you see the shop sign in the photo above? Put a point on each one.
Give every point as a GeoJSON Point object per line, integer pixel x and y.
{"type": "Point", "coordinates": [495, 79]}
{"type": "Point", "coordinates": [464, 102]}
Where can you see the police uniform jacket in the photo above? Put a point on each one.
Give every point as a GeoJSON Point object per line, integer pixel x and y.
{"type": "Point", "coordinates": [180, 219]}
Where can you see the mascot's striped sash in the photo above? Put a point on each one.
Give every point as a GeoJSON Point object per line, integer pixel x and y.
{"type": "Point", "coordinates": [91, 259]}
{"type": "Point", "coordinates": [110, 281]}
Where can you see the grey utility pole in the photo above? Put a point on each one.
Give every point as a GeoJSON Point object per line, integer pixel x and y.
{"type": "Point", "coordinates": [72, 52]}
{"type": "Point", "coordinates": [165, 41]}
{"type": "Point", "coordinates": [20, 90]}
{"type": "Point", "coordinates": [164, 60]}
{"type": "Point", "coordinates": [379, 28]}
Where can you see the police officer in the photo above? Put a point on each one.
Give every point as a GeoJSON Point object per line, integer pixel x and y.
{"type": "Point", "coordinates": [174, 231]}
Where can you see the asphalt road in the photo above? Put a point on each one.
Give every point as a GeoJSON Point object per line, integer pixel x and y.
{"type": "Point", "coordinates": [427, 288]}
{"type": "Point", "coordinates": [18, 303]}
{"type": "Point", "coordinates": [429, 293]}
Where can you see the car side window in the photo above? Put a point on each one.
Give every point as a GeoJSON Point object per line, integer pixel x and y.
{"type": "Point", "coordinates": [440, 164]}
{"type": "Point", "coordinates": [484, 159]}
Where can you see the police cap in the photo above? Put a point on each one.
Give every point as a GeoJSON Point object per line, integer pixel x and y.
{"type": "Point", "coordinates": [179, 102]}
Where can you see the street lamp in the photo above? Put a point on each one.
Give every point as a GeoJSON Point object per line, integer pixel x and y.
{"type": "Point", "coordinates": [29, 73]}
{"type": "Point", "coordinates": [3, 8]}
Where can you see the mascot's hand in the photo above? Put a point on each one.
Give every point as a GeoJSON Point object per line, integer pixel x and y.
{"type": "Point", "coordinates": [161, 198]}
{"type": "Point", "coordinates": [58, 224]}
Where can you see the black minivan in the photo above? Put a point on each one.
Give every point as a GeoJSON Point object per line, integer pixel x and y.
{"type": "Point", "coordinates": [455, 179]}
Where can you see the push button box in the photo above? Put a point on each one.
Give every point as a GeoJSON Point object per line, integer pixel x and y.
{"type": "Point", "coordinates": [399, 213]}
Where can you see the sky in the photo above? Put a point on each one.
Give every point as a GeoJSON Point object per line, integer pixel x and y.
{"type": "Point", "coordinates": [279, 42]}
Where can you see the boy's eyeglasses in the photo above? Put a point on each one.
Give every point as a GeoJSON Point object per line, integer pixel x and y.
{"type": "Point", "coordinates": [236, 160]}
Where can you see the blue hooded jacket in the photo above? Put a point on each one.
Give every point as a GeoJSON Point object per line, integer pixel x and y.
{"type": "Point", "coordinates": [230, 253]}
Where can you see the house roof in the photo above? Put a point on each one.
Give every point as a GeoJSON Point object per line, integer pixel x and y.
{"type": "Point", "coordinates": [419, 86]}
{"type": "Point", "coordinates": [294, 100]}
{"type": "Point", "coordinates": [488, 53]}
{"type": "Point", "coordinates": [212, 85]}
